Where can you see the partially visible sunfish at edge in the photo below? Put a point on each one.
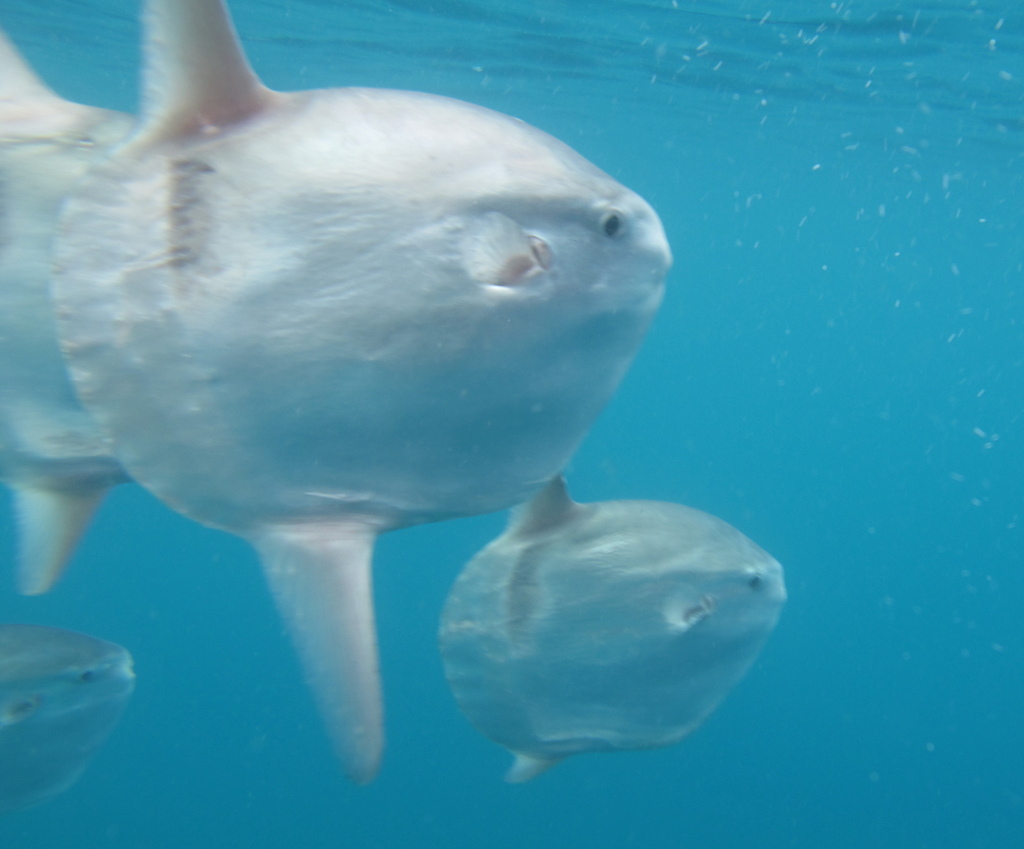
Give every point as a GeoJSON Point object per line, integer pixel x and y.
{"type": "Point", "coordinates": [61, 695]}
{"type": "Point", "coordinates": [310, 318]}
{"type": "Point", "coordinates": [51, 453]}
{"type": "Point", "coordinates": [604, 627]}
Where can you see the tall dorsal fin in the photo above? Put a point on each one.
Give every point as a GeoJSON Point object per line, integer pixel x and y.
{"type": "Point", "coordinates": [549, 508]}
{"type": "Point", "coordinates": [196, 77]}
{"type": "Point", "coordinates": [18, 82]}
{"type": "Point", "coordinates": [25, 99]}
{"type": "Point", "coordinates": [29, 109]}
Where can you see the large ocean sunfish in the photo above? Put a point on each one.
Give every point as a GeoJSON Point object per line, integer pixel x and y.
{"type": "Point", "coordinates": [51, 453]}
{"type": "Point", "coordinates": [603, 627]}
{"type": "Point", "coordinates": [313, 317]}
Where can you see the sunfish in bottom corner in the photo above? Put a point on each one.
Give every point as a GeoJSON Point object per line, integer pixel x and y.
{"type": "Point", "coordinates": [604, 627]}
{"type": "Point", "coordinates": [61, 695]}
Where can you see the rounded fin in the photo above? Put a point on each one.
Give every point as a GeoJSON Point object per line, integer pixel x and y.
{"type": "Point", "coordinates": [498, 252]}
{"type": "Point", "coordinates": [320, 576]}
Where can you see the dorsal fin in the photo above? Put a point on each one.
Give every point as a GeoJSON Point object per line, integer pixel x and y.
{"type": "Point", "coordinates": [196, 77]}
{"type": "Point", "coordinates": [18, 83]}
{"type": "Point", "coordinates": [29, 109]}
{"type": "Point", "coordinates": [549, 508]}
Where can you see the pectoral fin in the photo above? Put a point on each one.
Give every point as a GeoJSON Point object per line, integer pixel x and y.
{"type": "Point", "coordinates": [499, 253]}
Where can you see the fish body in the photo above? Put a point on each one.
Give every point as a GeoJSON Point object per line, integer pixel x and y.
{"type": "Point", "coordinates": [312, 317]}
{"type": "Point", "coordinates": [604, 627]}
{"type": "Point", "coordinates": [380, 303]}
{"type": "Point", "coordinates": [61, 695]}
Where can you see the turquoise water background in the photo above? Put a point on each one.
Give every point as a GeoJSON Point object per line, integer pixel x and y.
{"type": "Point", "coordinates": [837, 370]}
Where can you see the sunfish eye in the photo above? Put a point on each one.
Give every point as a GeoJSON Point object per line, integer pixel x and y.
{"type": "Point", "coordinates": [87, 676]}
{"type": "Point", "coordinates": [15, 712]}
{"type": "Point", "coordinates": [612, 223]}
{"type": "Point", "coordinates": [755, 581]}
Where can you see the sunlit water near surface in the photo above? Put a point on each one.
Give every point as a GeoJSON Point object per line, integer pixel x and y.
{"type": "Point", "coordinates": [838, 370]}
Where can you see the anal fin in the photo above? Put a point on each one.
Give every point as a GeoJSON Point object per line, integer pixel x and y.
{"type": "Point", "coordinates": [50, 523]}
{"type": "Point", "coordinates": [320, 576]}
{"type": "Point", "coordinates": [525, 767]}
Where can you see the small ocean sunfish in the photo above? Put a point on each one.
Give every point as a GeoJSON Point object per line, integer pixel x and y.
{"type": "Point", "coordinates": [602, 627]}
{"type": "Point", "coordinates": [61, 694]}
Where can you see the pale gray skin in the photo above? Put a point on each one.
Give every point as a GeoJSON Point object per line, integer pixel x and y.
{"type": "Point", "coordinates": [61, 695]}
{"type": "Point", "coordinates": [310, 318]}
{"type": "Point", "coordinates": [52, 454]}
{"type": "Point", "coordinates": [603, 627]}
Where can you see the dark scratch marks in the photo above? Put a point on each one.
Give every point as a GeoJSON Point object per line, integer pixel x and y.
{"type": "Point", "coordinates": [5, 236]}
{"type": "Point", "coordinates": [189, 220]}
{"type": "Point", "coordinates": [523, 594]}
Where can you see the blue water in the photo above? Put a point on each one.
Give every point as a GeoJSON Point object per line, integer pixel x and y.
{"type": "Point", "coordinates": [838, 370]}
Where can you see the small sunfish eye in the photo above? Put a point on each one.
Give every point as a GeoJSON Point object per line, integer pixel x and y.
{"type": "Point", "coordinates": [15, 712]}
{"type": "Point", "coordinates": [612, 223]}
{"type": "Point", "coordinates": [87, 676]}
{"type": "Point", "coordinates": [755, 582]}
